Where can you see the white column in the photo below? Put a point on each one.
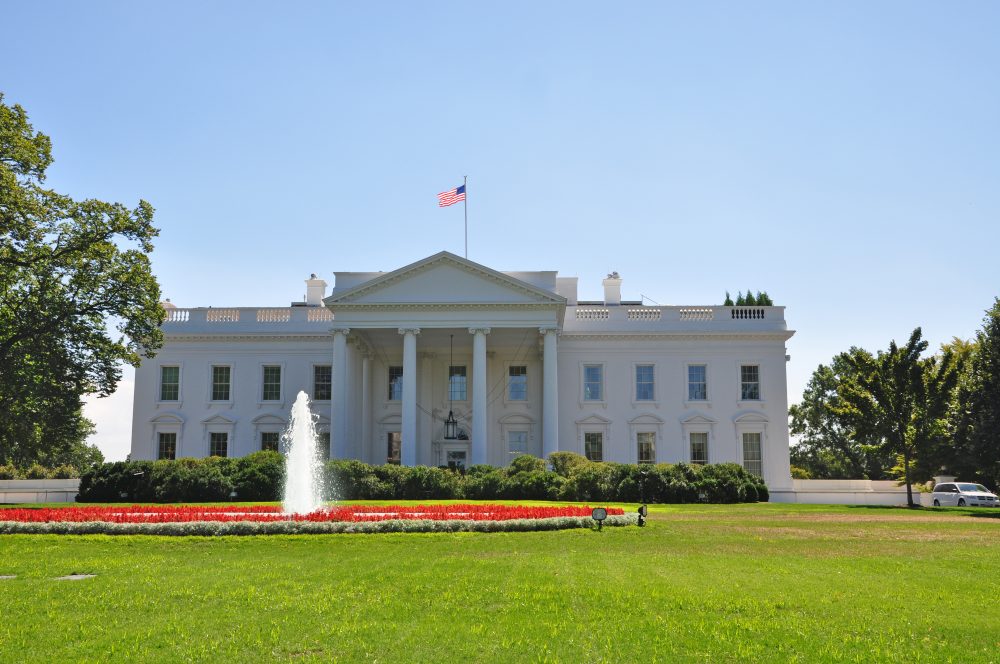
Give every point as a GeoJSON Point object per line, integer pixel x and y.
{"type": "Point", "coordinates": [338, 416]}
{"type": "Point", "coordinates": [479, 394]}
{"type": "Point", "coordinates": [366, 406]}
{"type": "Point", "coordinates": [408, 453]}
{"type": "Point", "coordinates": [550, 392]}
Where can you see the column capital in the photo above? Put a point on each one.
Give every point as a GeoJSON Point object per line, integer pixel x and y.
{"type": "Point", "coordinates": [409, 330]}
{"type": "Point", "coordinates": [474, 330]}
{"type": "Point", "coordinates": [548, 330]}
{"type": "Point", "coordinates": [340, 330]}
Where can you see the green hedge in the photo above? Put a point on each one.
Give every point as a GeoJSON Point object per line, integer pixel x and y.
{"type": "Point", "coordinates": [259, 477]}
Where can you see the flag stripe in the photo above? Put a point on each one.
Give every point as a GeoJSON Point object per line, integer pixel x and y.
{"type": "Point", "coordinates": [452, 196]}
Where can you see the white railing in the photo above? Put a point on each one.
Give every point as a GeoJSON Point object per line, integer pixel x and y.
{"type": "Point", "coordinates": [644, 314]}
{"type": "Point", "coordinates": [696, 313]}
{"type": "Point", "coordinates": [319, 315]}
{"type": "Point", "coordinates": [592, 314]}
{"type": "Point", "coordinates": [247, 317]}
{"type": "Point", "coordinates": [222, 315]}
{"type": "Point", "coordinates": [282, 315]}
{"type": "Point", "coordinates": [176, 316]}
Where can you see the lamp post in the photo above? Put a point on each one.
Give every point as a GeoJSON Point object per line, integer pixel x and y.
{"type": "Point", "coordinates": [450, 424]}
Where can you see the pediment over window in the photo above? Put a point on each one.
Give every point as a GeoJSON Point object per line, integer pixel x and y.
{"type": "Point", "coordinates": [443, 278]}
{"type": "Point", "coordinates": [391, 419]}
{"type": "Point", "coordinates": [269, 419]}
{"type": "Point", "coordinates": [168, 418]}
{"type": "Point", "coordinates": [751, 417]}
{"type": "Point", "coordinates": [697, 418]}
{"type": "Point", "coordinates": [594, 419]}
{"type": "Point", "coordinates": [645, 418]}
{"type": "Point", "coordinates": [516, 419]}
{"type": "Point", "coordinates": [219, 419]}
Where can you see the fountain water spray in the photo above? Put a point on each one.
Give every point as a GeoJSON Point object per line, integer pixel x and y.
{"type": "Point", "coordinates": [303, 466]}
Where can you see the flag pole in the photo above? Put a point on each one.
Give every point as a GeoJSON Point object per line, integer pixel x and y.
{"type": "Point", "coordinates": [465, 184]}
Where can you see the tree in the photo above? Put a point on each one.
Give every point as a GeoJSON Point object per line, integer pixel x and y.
{"type": "Point", "coordinates": [900, 399]}
{"type": "Point", "coordinates": [976, 415]}
{"type": "Point", "coordinates": [67, 268]}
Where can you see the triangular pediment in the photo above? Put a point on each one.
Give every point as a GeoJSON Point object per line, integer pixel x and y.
{"type": "Point", "coordinates": [218, 419]}
{"type": "Point", "coordinates": [594, 419]}
{"type": "Point", "coordinates": [697, 418]}
{"type": "Point", "coordinates": [444, 278]}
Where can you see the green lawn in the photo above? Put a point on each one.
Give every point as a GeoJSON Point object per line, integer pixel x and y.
{"type": "Point", "coordinates": [751, 582]}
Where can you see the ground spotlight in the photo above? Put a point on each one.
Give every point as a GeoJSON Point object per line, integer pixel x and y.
{"type": "Point", "coordinates": [599, 515]}
{"type": "Point", "coordinates": [643, 511]}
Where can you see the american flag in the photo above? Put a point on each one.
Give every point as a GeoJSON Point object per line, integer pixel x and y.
{"type": "Point", "coordinates": [452, 196]}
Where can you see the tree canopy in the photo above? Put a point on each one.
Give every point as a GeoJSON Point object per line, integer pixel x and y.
{"type": "Point", "coordinates": [69, 271]}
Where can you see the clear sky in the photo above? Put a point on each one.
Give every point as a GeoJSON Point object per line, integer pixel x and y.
{"type": "Point", "coordinates": [842, 156]}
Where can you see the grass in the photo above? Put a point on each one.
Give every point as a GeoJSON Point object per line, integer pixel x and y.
{"type": "Point", "coordinates": [736, 582]}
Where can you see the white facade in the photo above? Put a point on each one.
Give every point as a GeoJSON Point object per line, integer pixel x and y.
{"type": "Point", "coordinates": [523, 365]}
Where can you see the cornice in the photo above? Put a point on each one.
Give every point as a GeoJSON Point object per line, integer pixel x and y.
{"type": "Point", "coordinates": [440, 306]}
{"type": "Point", "coordinates": [678, 336]}
{"type": "Point", "coordinates": [238, 338]}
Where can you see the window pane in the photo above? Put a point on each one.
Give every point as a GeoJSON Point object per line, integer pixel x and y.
{"type": "Point", "coordinates": [697, 382]}
{"type": "Point", "coordinates": [322, 382]}
{"type": "Point", "coordinates": [168, 446]}
{"type": "Point", "coordinates": [392, 452]}
{"type": "Point", "coordinates": [647, 446]}
{"type": "Point", "coordinates": [517, 384]}
{"type": "Point", "coordinates": [170, 383]}
{"type": "Point", "coordinates": [593, 382]}
{"type": "Point", "coordinates": [752, 461]}
{"type": "Point", "coordinates": [749, 382]}
{"type": "Point", "coordinates": [644, 382]}
{"type": "Point", "coordinates": [324, 444]}
{"type": "Point", "coordinates": [220, 383]}
{"type": "Point", "coordinates": [395, 383]}
{"type": "Point", "coordinates": [269, 440]}
{"type": "Point", "coordinates": [272, 383]}
{"type": "Point", "coordinates": [699, 447]}
{"type": "Point", "coordinates": [593, 446]}
{"type": "Point", "coordinates": [218, 444]}
{"type": "Point", "coordinates": [456, 384]}
{"type": "Point", "coordinates": [517, 442]}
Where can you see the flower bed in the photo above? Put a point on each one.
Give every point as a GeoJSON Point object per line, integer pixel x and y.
{"type": "Point", "coordinates": [266, 519]}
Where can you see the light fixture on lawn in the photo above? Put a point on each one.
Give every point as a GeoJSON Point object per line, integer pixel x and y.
{"type": "Point", "coordinates": [450, 424]}
{"type": "Point", "coordinates": [599, 515]}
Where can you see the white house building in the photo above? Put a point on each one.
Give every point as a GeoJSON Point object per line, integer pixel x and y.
{"type": "Point", "coordinates": [519, 362]}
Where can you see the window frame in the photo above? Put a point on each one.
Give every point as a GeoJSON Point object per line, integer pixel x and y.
{"type": "Point", "coordinates": [760, 450]}
{"type": "Point", "coordinates": [760, 383]}
{"type": "Point", "coordinates": [653, 400]}
{"type": "Point", "coordinates": [281, 384]}
{"type": "Point", "coordinates": [315, 382]}
{"type": "Point", "coordinates": [690, 447]}
{"type": "Point", "coordinates": [509, 366]}
{"type": "Point", "coordinates": [600, 442]}
{"type": "Point", "coordinates": [583, 382]}
{"type": "Point", "coordinates": [687, 384]}
{"type": "Point", "coordinates": [159, 384]}
{"type": "Point", "coordinates": [464, 383]}
{"type": "Point", "coordinates": [389, 384]}
{"type": "Point", "coordinates": [211, 383]}
{"type": "Point", "coordinates": [212, 442]}
{"type": "Point", "coordinates": [276, 434]}
{"type": "Point", "coordinates": [638, 447]}
{"type": "Point", "coordinates": [159, 446]}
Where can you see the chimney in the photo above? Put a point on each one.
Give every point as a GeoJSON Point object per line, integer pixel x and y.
{"type": "Point", "coordinates": [612, 289]}
{"type": "Point", "coordinates": [315, 290]}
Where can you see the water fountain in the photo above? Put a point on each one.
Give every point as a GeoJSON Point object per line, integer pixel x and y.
{"type": "Point", "coordinates": [303, 465]}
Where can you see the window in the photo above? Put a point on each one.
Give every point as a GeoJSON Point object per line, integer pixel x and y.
{"type": "Point", "coordinates": [269, 440]}
{"type": "Point", "coordinates": [324, 444]}
{"type": "Point", "coordinates": [647, 446]}
{"type": "Point", "coordinates": [752, 453]}
{"type": "Point", "coordinates": [593, 382]}
{"type": "Point", "coordinates": [322, 382]}
{"type": "Point", "coordinates": [170, 383]}
{"type": "Point", "coordinates": [168, 446]}
{"type": "Point", "coordinates": [644, 388]}
{"type": "Point", "coordinates": [220, 383]}
{"type": "Point", "coordinates": [456, 384]}
{"type": "Point", "coordinates": [272, 383]}
{"type": "Point", "coordinates": [217, 443]}
{"type": "Point", "coordinates": [395, 440]}
{"type": "Point", "coordinates": [517, 442]}
{"type": "Point", "coordinates": [697, 382]}
{"type": "Point", "coordinates": [749, 382]}
{"type": "Point", "coordinates": [593, 446]}
{"type": "Point", "coordinates": [699, 447]}
{"type": "Point", "coordinates": [395, 383]}
{"type": "Point", "coordinates": [517, 383]}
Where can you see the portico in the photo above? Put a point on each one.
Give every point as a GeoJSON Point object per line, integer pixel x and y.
{"type": "Point", "coordinates": [418, 314]}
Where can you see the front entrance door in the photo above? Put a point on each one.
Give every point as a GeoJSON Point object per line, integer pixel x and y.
{"type": "Point", "coordinates": [394, 441]}
{"type": "Point", "coordinates": [456, 459]}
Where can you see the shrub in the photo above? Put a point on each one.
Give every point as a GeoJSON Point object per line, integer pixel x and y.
{"type": "Point", "coordinates": [485, 485]}
{"type": "Point", "coordinates": [259, 476]}
{"type": "Point", "coordinates": [525, 463]}
{"type": "Point", "coordinates": [533, 485]}
{"type": "Point", "coordinates": [36, 472]}
{"type": "Point", "coordinates": [8, 472]}
{"type": "Point", "coordinates": [64, 472]}
{"type": "Point", "coordinates": [567, 463]}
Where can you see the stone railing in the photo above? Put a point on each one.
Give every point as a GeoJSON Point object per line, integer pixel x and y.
{"type": "Point", "coordinates": [247, 320]}
{"type": "Point", "coordinates": [590, 318]}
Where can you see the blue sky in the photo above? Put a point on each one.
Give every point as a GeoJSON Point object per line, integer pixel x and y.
{"type": "Point", "coordinates": [841, 156]}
